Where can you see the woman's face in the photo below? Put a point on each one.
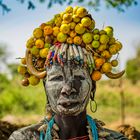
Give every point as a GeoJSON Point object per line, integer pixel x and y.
{"type": "Point", "coordinates": [68, 89]}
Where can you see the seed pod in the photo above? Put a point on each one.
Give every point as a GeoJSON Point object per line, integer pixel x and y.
{"type": "Point", "coordinates": [77, 56]}
{"type": "Point", "coordinates": [64, 48]}
{"type": "Point", "coordinates": [71, 52]}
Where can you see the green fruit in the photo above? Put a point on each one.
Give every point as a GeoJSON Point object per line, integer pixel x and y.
{"type": "Point", "coordinates": [95, 44]}
{"type": "Point", "coordinates": [86, 21]}
{"type": "Point", "coordinates": [114, 63]}
{"type": "Point", "coordinates": [33, 80]}
{"type": "Point", "coordinates": [104, 39]}
{"type": "Point", "coordinates": [79, 29]}
{"type": "Point", "coordinates": [87, 38]}
{"type": "Point", "coordinates": [47, 45]}
{"type": "Point", "coordinates": [61, 37]}
{"type": "Point", "coordinates": [37, 33]}
{"type": "Point", "coordinates": [30, 42]}
{"type": "Point", "coordinates": [102, 32]}
{"type": "Point", "coordinates": [44, 52]}
{"type": "Point", "coordinates": [34, 51]}
{"type": "Point", "coordinates": [96, 31]}
{"type": "Point", "coordinates": [96, 37]}
{"type": "Point", "coordinates": [109, 31]}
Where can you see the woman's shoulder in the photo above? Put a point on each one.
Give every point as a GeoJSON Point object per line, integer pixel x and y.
{"type": "Point", "coordinates": [26, 133]}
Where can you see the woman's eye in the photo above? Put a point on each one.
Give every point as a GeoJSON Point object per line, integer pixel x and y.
{"type": "Point", "coordinates": [79, 77]}
{"type": "Point", "coordinates": [57, 78]}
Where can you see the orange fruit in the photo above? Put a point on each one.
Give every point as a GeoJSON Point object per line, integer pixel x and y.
{"type": "Point", "coordinates": [56, 30]}
{"type": "Point", "coordinates": [106, 54]}
{"type": "Point", "coordinates": [96, 75]}
{"type": "Point", "coordinates": [77, 40]}
{"type": "Point", "coordinates": [48, 30]}
{"type": "Point", "coordinates": [69, 40]}
{"type": "Point", "coordinates": [99, 62]}
{"type": "Point", "coordinates": [73, 34]}
{"type": "Point", "coordinates": [39, 43]}
{"type": "Point", "coordinates": [67, 18]}
{"type": "Point", "coordinates": [106, 67]}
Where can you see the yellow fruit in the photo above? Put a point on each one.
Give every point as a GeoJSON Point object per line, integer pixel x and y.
{"type": "Point", "coordinates": [44, 52]}
{"type": "Point", "coordinates": [37, 33]}
{"type": "Point", "coordinates": [48, 39]}
{"type": "Point", "coordinates": [99, 62]}
{"type": "Point", "coordinates": [65, 28]}
{"type": "Point", "coordinates": [87, 38]}
{"type": "Point", "coordinates": [81, 12]}
{"type": "Point", "coordinates": [95, 31]}
{"type": "Point", "coordinates": [113, 49]}
{"type": "Point", "coordinates": [75, 9]}
{"type": "Point", "coordinates": [96, 37]}
{"type": "Point", "coordinates": [58, 21]}
{"type": "Point", "coordinates": [106, 54]}
{"type": "Point", "coordinates": [72, 25]}
{"type": "Point", "coordinates": [111, 41]}
{"type": "Point", "coordinates": [47, 45]}
{"type": "Point", "coordinates": [95, 44]}
{"type": "Point", "coordinates": [101, 32]}
{"type": "Point", "coordinates": [73, 34]}
{"type": "Point", "coordinates": [22, 69]}
{"type": "Point", "coordinates": [42, 26]}
{"type": "Point", "coordinates": [33, 80]}
{"type": "Point", "coordinates": [104, 39]}
{"type": "Point", "coordinates": [69, 40]}
{"type": "Point", "coordinates": [76, 19]}
{"type": "Point", "coordinates": [69, 9]}
{"type": "Point", "coordinates": [67, 18]}
{"type": "Point", "coordinates": [102, 47]}
{"type": "Point", "coordinates": [34, 51]}
{"type": "Point", "coordinates": [61, 37]}
{"type": "Point", "coordinates": [39, 43]}
{"type": "Point", "coordinates": [86, 21]}
{"type": "Point", "coordinates": [61, 14]}
{"type": "Point", "coordinates": [114, 63]}
{"type": "Point", "coordinates": [77, 40]}
{"type": "Point", "coordinates": [118, 45]}
{"type": "Point", "coordinates": [30, 42]}
{"type": "Point", "coordinates": [96, 75]}
{"type": "Point", "coordinates": [79, 29]}
{"type": "Point", "coordinates": [56, 30]}
{"type": "Point", "coordinates": [23, 61]}
{"type": "Point", "coordinates": [106, 67]}
{"type": "Point", "coordinates": [92, 25]}
{"type": "Point", "coordinates": [109, 31]}
{"type": "Point", "coordinates": [48, 30]}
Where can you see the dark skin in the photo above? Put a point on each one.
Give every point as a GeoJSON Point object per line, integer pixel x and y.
{"type": "Point", "coordinates": [72, 126]}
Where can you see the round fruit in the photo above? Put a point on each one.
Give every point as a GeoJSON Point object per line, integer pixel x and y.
{"type": "Point", "coordinates": [101, 32]}
{"type": "Point", "coordinates": [73, 34]}
{"type": "Point", "coordinates": [106, 67]}
{"type": "Point", "coordinates": [96, 31]}
{"type": "Point", "coordinates": [47, 45]}
{"type": "Point", "coordinates": [92, 25]}
{"type": "Point", "coordinates": [79, 29]}
{"type": "Point", "coordinates": [61, 37]}
{"type": "Point", "coordinates": [75, 9]}
{"type": "Point", "coordinates": [25, 82]}
{"type": "Point", "coordinates": [30, 42]}
{"type": "Point", "coordinates": [56, 30]}
{"type": "Point", "coordinates": [109, 31]}
{"type": "Point", "coordinates": [95, 44]}
{"type": "Point", "coordinates": [77, 40]}
{"type": "Point", "coordinates": [69, 9]}
{"type": "Point", "coordinates": [96, 37]}
{"type": "Point", "coordinates": [113, 49]}
{"type": "Point", "coordinates": [22, 69]}
{"type": "Point", "coordinates": [33, 80]}
{"type": "Point", "coordinates": [88, 47]}
{"type": "Point", "coordinates": [67, 18]}
{"type": "Point", "coordinates": [86, 21]}
{"type": "Point", "coordinates": [76, 18]}
{"type": "Point", "coordinates": [65, 28]}
{"type": "Point", "coordinates": [81, 12]}
{"type": "Point", "coordinates": [106, 54]}
{"type": "Point", "coordinates": [96, 75]}
{"type": "Point", "coordinates": [39, 43]}
{"type": "Point", "coordinates": [102, 47]}
{"type": "Point", "coordinates": [48, 30]}
{"type": "Point", "coordinates": [23, 61]}
{"type": "Point", "coordinates": [37, 33]}
{"type": "Point", "coordinates": [104, 39]}
{"type": "Point", "coordinates": [58, 21]}
{"type": "Point", "coordinates": [69, 40]}
{"type": "Point", "coordinates": [99, 62]}
{"type": "Point", "coordinates": [72, 25]}
{"type": "Point", "coordinates": [111, 40]}
{"type": "Point", "coordinates": [44, 52]}
{"type": "Point", "coordinates": [35, 51]}
{"type": "Point", "coordinates": [114, 63]}
{"type": "Point", "coordinates": [118, 45]}
{"type": "Point", "coordinates": [87, 38]}
{"type": "Point", "coordinates": [48, 39]}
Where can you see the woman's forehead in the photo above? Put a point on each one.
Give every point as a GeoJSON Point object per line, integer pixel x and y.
{"type": "Point", "coordinates": [57, 69]}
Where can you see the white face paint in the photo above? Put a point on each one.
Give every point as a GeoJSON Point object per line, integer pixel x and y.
{"type": "Point", "coordinates": [68, 89]}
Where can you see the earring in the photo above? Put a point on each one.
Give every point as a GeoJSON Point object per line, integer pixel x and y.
{"type": "Point", "coordinates": [93, 102]}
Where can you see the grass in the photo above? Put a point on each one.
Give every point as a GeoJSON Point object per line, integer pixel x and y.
{"type": "Point", "coordinates": [28, 103]}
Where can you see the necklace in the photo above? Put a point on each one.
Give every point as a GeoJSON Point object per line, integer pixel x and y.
{"type": "Point", "coordinates": [49, 130]}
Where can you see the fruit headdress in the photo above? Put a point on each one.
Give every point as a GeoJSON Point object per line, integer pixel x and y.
{"type": "Point", "coordinates": [70, 36]}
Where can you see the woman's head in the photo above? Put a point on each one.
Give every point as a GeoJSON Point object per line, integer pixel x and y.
{"type": "Point", "coordinates": [68, 88]}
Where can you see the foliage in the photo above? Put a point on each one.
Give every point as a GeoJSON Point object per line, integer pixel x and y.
{"type": "Point", "coordinates": [133, 68]}
{"type": "Point", "coordinates": [120, 5]}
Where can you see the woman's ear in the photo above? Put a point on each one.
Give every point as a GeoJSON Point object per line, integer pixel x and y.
{"type": "Point", "coordinates": [93, 90]}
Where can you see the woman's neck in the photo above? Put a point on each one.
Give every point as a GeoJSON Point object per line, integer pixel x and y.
{"type": "Point", "coordinates": [71, 126]}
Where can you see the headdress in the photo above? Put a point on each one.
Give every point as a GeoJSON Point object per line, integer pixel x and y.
{"type": "Point", "coordinates": [70, 37]}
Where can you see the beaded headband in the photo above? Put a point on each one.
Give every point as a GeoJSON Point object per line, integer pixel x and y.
{"type": "Point", "coordinates": [70, 37]}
